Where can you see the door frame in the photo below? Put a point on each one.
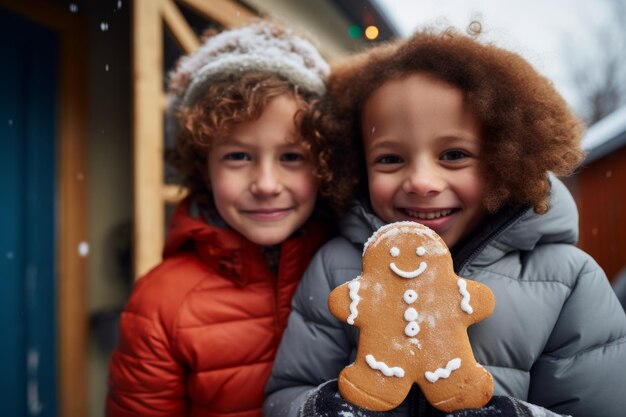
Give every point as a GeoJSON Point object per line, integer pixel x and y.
{"type": "Point", "coordinates": [71, 206]}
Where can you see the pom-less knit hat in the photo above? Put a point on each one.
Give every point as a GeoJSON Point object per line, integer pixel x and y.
{"type": "Point", "coordinates": [261, 46]}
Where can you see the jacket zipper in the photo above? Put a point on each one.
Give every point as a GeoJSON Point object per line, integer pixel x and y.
{"type": "Point", "coordinates": [514, 219]}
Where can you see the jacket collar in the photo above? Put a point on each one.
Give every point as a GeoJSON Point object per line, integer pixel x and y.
{"type": "Point", "coordinates": [232, 255]}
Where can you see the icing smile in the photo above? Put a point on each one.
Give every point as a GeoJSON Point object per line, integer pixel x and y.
{"type": "Point", "coordinates": [408, 274]}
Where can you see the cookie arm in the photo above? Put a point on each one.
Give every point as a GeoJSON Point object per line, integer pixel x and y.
{"type": "Point", "coordinates": [343, 301]}
{"type": "Point", "coordinates": [481, 299]}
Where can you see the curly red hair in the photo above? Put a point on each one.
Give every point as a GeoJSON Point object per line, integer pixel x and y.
{"type": "Point", "coordinates": [239, 100]}
{"type": "Point", "coordinates": [528, 128]}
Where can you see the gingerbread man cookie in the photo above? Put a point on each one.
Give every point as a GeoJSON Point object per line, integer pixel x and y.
{"type": "Point", "coordinates": [413, 312]}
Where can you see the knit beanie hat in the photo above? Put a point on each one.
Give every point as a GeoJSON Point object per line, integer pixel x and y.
{"type": "Point", "coordinates": [260, 46]}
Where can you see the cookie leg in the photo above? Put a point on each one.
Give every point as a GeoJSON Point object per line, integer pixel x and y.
{"type": "Point", "coordinates": [459, 389]}
{"type": "Point", "coordinates": [370, 389]}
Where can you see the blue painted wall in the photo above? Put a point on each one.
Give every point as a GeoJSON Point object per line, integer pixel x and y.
{"type": "Point", "coordinates": [28, 82]}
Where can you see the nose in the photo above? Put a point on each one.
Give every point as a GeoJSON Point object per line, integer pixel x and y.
{"type": "Point", "coordinates": [266, 181]}
{"type": "Point", "coordinates": [424, 180]}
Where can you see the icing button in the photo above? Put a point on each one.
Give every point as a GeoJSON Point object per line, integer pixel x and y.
{"type": "Point", "coordinates": [412, 329]}
{"type": "Point", "coordinates": [409, 296]}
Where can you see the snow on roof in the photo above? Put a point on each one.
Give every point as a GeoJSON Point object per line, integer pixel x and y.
{"type": "Point", "coordinates": [605, 136]}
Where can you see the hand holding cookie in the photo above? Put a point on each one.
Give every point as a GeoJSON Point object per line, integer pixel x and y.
{"type": "Point", "coordinates": [413, 312]}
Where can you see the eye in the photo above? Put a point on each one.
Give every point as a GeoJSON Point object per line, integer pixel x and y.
{"type": "Point", "coordinates": [237, 156]}
{"type": "Point", "coordinates": [292, 157]}
{"type": "Point", "coordinates": [454, 155]}
{"type": "Point", "coordinates": [394, 252]}
{"type": "Point", "coordinates": [389, 159]}
{"type": "Point", "coordinates": [420, 251]}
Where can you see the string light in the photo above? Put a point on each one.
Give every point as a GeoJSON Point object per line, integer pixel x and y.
{"type": "Point", "coordinates": [371, 32]}
{"type": "Point", "coordinates": [354, 31]}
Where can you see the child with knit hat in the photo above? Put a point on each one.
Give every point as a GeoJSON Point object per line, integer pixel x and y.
{"type": "Point", "coordinates": [200, 331]}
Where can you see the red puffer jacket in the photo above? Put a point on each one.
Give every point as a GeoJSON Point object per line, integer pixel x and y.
{"type": "Point", "coordinates": [200, 331]}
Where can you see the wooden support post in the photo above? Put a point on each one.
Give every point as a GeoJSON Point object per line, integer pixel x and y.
{"type": "Point", "coordinates": [148, 134]}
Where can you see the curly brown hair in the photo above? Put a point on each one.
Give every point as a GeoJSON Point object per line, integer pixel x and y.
{"type": "Point", "coordinates": [239, 100]}
{"type": "Point", "coordinates": [528, 128]}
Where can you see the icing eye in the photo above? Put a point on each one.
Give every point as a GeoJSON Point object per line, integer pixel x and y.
{"type": "Point", "coordinates": [412, 329]}
{"type": "Point", "coordinates": [409, 296]}
{"type": "Point", "coordinates": [394, 252]}
{"type": "Point", "coordinates": [410, 314]}
{"type": "Point", "coordinates": [420, 251]}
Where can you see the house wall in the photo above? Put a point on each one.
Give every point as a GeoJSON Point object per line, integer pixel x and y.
{"type": "Point", "coordinates": [109, 179]}
{"type": "Point", "coordinates": [602, 206]}
{"type": "Point", "coordinates": [319, 17]}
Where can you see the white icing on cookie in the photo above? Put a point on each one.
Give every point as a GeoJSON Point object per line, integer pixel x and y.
{"type": "Point", "coordinates": [465, 305]}
{"type": "Point", "coordinates": [434, 245]}
{"type": "Point", "coordinates": [410, 314]}
{"type": "Point", "coordinates": [452, 365]}
{"type": "Point", "coordinates": [415, 342]}
{"type": "Point", "coordinates": [421, 251]}
{"type": "Point", "coordinates": [354, 296]}
{"type": "Point", "coordinates": [410, 296]}
{"type": "Point", "coordinates": [394, 252]}
{"type": "Point", "coordinates": [412, 329]}
{"type": "Point", "coordinates": [383, 367]}
{"type": "Point", "coordinates": [408, 274]}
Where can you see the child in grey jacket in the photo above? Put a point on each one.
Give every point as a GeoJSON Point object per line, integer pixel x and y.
{"type": "Point", "coordinates": [464, 137]}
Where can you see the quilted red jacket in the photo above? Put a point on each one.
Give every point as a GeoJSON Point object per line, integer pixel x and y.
{"type": "Point", "coordinates": [200, 331]}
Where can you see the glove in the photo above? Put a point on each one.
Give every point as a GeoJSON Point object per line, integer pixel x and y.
{"type": "Point", "coordinates": [503, 406]}
{"type": "Point", "coordinates": [325, 401]}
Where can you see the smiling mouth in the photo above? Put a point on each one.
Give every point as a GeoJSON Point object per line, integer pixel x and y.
{"type": "Point", "coordinates": [267, 214]}
{"type": "Point", "coordinates": [428, 215]}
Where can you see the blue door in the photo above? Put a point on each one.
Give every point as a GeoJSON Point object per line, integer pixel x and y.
{"type": "Point", "coordinates": [28, 80]}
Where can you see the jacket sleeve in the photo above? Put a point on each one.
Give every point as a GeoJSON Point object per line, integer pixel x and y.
{"type": "Point", "coordinates": [583, 367]}
{"type": "Point", "coordinates": [315, 346]}
{"type": "Point", "coordinates": [144, 377]}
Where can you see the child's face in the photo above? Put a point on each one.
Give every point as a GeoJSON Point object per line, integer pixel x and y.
{"type": "Point", "coordinates": [261, 178]}
{"type": "Point", "coordinates": [422, 149]}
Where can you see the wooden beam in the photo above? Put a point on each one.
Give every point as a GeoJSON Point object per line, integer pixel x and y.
{"type": "Point", "coordinates": [182, 32]}
{"type": "Point", "coordinates": [149, 210]}
{"type": "Point", "coordinates": [72, 281]}
{"type": "Point", "coordinates": [225, 12]}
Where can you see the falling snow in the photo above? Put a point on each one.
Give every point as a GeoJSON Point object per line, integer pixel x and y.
{"type": "Point", "coordinates": [83, 249]}
{"type": "Point", "coordinates": [104, 26]}
{"type": "Point", "coordinates": [73, 7]}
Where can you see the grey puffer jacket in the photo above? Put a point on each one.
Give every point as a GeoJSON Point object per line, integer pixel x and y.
{"type": "Point", "coordinates": [557, 336]}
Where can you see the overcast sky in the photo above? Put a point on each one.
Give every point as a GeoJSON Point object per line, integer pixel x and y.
{"type": "Point", "coordinates": [539, 30]}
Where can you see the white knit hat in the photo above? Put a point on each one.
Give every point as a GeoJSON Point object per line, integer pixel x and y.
{"type": "Point", "coordinates": [260, 46]}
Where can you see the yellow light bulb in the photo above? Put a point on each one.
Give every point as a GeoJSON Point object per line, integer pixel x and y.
{"type": "Point", "coordinates": [371, 32]}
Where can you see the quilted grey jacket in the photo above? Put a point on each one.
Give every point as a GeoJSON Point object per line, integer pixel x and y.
{"type": "Point", "coordinates": [557, 336]}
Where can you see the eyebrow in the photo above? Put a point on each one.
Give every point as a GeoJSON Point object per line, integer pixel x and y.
{"type": "Point", "coordinates": [383, 142]}
{"type": "Point", "coordinates": [461, 136]}
{"type": "Point", "coordinates": [235, 142]}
